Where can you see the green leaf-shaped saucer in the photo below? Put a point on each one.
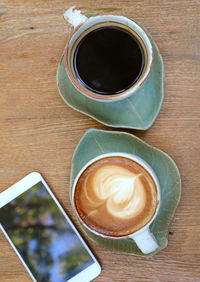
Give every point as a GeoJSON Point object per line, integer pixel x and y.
{"type": "Point", "coordinates": [138, 111]}
{"type": "Point", "coordinates": [96, 142]}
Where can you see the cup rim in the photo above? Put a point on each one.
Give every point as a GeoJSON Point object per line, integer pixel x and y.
{"type": "Point", "coordinates": [131, 157]}
{"type": "Point", "coordinates": [128, 24]}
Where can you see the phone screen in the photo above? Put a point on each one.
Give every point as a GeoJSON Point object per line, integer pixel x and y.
{"type": "Point", "coordinates": [43, 237]}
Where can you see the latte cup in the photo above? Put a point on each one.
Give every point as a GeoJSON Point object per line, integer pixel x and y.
{"type": "Point", "coordinates": [81, 27]}
{"type": "Point", "coordinates": [118, 188]}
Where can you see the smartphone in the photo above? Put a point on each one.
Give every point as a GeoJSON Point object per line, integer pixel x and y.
{"type": "Point", "coordinates": [42, 235]}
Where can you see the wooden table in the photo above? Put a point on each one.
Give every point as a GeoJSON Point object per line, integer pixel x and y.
{"type": "Point", "coordinates": [39, 132]}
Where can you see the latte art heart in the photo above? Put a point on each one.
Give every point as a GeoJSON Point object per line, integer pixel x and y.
{"type": "Point", "coordinates": [122, 190]}
{"type": "Point", "coordinates": [115, 196]}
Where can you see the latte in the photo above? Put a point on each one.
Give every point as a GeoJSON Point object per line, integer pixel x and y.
{"type": "Point", "coordinates": [115, 196]}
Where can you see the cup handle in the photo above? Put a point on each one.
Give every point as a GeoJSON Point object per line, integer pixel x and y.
{"type": "Point", "coordinates": [74, 16]}
{"type": "Point", "coordinates": [145, 241]}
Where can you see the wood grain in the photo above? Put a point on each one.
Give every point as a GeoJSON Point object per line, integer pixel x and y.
{"type": "Point", "coordinates": [39, 132]}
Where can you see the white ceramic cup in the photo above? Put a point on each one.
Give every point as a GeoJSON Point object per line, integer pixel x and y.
{"type": "Point", "coordinates": [81, 25]}
{"type": "Point", "coordinates": [144, 238]}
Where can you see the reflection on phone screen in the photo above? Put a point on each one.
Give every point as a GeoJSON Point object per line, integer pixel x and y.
{"type": "Point", "coordinates": [43, 237]}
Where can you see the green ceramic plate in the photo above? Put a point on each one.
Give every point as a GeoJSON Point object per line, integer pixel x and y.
{"type": "Point", "coordinates": [96, 142]}
{"type": "Point", "coordinates": [138, 111]}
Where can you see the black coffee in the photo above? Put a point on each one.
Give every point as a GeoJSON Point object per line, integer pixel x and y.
{"type": "Point", "coordinates": [108, 60]}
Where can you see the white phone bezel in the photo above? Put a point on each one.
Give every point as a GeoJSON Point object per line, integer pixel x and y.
{"type": "Point", "coordinates": [25, 184]}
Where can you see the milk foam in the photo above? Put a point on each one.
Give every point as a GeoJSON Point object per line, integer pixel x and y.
{"type": "Point", "coordinates": [122, 191]}
{"type": "Point", "coordinates": [116, 196]}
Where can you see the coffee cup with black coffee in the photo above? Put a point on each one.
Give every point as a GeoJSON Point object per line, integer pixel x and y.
{"type": "Point", "coordinates": [107, 57]}
{"type": "Point", "coordinates": [116, 196]}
